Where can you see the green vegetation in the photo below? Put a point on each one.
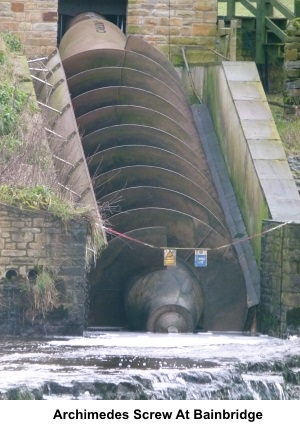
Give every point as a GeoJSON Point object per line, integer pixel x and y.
{"type": "Point", "coordinates": [42, 294]}
{"type": "Point", "coordinates": [12, 101]}
{"type": "Point", "coordinates": [242, 11]}
{"type": "Point", "coordinates": [28, 179]}
{"type": "Point", "coordinates": [288, 124]}
{"type": "Point", "coordinates": [39, 198]}
{"type": "Point", "coordinates": [12, 43]}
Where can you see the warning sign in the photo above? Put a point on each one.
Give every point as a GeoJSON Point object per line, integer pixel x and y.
{"type": "Point", "coordinates": [170, 257]}
{"type": "Point", "coordinates": [200, 258]}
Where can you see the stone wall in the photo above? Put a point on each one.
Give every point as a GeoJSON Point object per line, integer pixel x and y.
{"type": "Point", "coordinates": [279, 310]}
{"type": "Point", "coordinates": [167, 24]}
{"type": "Point", "coordinates": [33, 21]}
{"type": "Point", "coordinates": [292, 64]}
{"type": "Point", "coordinates": [35, 241]}
{"type": "Point", "coordinates": [171, 24]}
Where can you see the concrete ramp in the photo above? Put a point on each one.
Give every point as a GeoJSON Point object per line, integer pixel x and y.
{"type": "Point", "coordinates": [263, 140]}
{"type": "Point", "coordinates": [251, 146]}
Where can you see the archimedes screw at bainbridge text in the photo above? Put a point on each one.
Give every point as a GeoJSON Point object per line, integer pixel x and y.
{"type": "Point", "coordinates": [180, 414]}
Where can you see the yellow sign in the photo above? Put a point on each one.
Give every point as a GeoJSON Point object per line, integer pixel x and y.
{"type": "Point", "coordinates": [170, 257]}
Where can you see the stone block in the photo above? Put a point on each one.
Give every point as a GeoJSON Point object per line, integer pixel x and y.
{"type": "Point", "coordinates": [138, 12]}
{"type": "Point", "coordinates": [209, 5]}
{"type": "Point", "coordinates": [203, 29]}
{"type": "Point", "coordinates": [292, 45]}
{"type": "Point", "coordinates": [17, 7]}
{"type": "Point", "coordinates": [291, 300]}
{"type": "Point", "coordinates": [177, 21]}
{"type": "Point", "coordinates": [291, 54]}
{"type": "Point", "coordinates": [45, 5]}
{"type": "Point", "coordinates": [42, 27]}
{"type": "Point", "coordinates": [138, 20]}
{"type": "Point", "coordinates": [30, 20]}
{"type": "Point", "coordinates": [38, 222]}
{"type": "Point", "coordinates": [162, 13]}
{"type": "Point", "coordinates": [34, 245]}
{"type": "Point", "coordinates": [184, 3]}
{"type": "Point", "coordinates": [186, 31]}
{"type": "Point", "coordinates": [179, 40]}
{"type": "Point", "coordinates": [36, 253]}
{"type": "Point", "coordinates": [12, 253]}
{"type": "Point", "coordinates": [31, 230]}
{"type": "Point", "coordinates": [19, 224]}
{"type": "Point", "coordinates": [22, 237]}
{"type": "Point", "coordinates": [174, 31]}
{"type": "Point", "coordinates": [50, 17]}
{"type": "Point", "coordinates": [4, 223]}
{"type": "Point", "coordinates": [10, 246]}
{"type": "Point", "coordinates": [207, 17]}
{"type": "Point", "coordinates": [21, 31]}
{"type": "Point", "coordinates": [39, 238]}
{"type": "Point", "coordinates": [5, 6]}
{"type": "Point", "coordinates": [23, 271]}
{"type": "Point", "coordinates": [21, 245]}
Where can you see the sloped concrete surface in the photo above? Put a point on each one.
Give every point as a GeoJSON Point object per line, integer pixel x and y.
{"type": "Point", "coordinates": [228, 201]}
{"type": "Point", "coordinates": [263, 141]}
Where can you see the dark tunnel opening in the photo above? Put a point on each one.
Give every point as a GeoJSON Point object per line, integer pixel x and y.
{"type": "Point", "coordinates": [114, 11]}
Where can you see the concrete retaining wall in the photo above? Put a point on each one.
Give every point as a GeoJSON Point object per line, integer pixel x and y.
{"type": "Point", "coordinates": [251, 146]}
{"type": "Point", "coordinates": [31, 241]}
{"type": "Point", "coordinates": [264, 187]}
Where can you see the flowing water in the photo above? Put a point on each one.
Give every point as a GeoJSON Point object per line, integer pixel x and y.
{"type": "Point", "coordinates": [123, 365]}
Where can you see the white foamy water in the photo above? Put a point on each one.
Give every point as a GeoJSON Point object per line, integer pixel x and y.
{"type": "Point", "coordinates": [172, 366]}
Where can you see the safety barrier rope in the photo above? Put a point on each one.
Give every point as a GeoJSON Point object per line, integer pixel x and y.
{"type": "Point", "coordinates": [132, 239]}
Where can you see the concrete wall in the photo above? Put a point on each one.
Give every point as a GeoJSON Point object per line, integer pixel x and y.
{"type": "Point", "coordinates": [33, 21]}
{"type": "Point", "coordinates": [31, 240]}
{"type": "Point", "coordinates": [236, 152]}
{"type": "Point", "coordinates": [251, 145]}
{"type": "Point", "coordinates": [264, 187]}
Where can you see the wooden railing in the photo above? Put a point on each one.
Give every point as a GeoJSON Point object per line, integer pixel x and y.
{"type": "Point", "coordinates": [263, 12]}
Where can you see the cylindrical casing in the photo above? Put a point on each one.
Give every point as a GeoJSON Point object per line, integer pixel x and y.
{"type": "Point", "coordinates": [165, 301]}
{"type": "Point", "coordinates": [90, 34]}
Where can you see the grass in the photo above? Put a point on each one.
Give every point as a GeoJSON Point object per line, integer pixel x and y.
{"type": "Point", "coordinates": [39, 198]}
{"type": "Point", "coordinates": [12, 43]}
{"type": "Point", "coordinates": [242, 11]}
{"type": "Point", "coordinates": [287, 123]}
{"type": "Point", "coordinates": [42, 294]}
{"type": "Point", "coordinates": [28, 177]}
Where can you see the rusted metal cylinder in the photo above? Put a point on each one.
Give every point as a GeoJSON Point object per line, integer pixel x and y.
{"type": "Point", "coordinates": [165, 301]}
